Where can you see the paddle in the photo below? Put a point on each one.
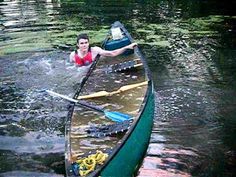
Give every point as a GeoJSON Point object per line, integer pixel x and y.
{"type": "Point", "coordinates": [115, 116]}
{"type": "Point", "coordinates": [105, 93]}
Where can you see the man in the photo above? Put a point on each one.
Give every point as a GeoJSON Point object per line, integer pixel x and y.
{"type": "Point", "coordinates": [85, 55]}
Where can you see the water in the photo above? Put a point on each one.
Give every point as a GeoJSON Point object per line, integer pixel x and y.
{"type": "Point", "coordinates": [190, 48]}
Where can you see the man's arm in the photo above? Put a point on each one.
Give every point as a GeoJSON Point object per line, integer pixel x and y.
{"type": "Point", "coordinates": [113, 53]}
{"type": "Point", "coordinates": [72, 55]}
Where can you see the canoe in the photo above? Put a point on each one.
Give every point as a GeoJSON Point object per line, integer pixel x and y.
{"type": "Point", "coordinates": [95, 144]}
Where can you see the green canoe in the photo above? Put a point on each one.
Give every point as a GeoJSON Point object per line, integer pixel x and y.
{"type": "Point", "coordinates": [122, 84]}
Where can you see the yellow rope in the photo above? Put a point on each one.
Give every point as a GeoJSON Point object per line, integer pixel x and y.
{"type": "Point", "coordinates": [88, 164]}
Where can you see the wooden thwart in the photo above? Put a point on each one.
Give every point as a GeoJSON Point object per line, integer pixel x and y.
{"type": "Point", "coordinates": [105, 93]}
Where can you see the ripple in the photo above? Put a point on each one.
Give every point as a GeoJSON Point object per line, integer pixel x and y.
{"type": "Point", "coordinates": [29, 174]}
{"type": "Point", "coordinates": [33, 142]}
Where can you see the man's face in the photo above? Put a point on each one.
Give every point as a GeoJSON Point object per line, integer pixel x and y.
{"type": "Point", "coordinates": [83, 45]}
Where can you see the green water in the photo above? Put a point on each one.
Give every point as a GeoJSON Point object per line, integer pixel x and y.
{"type": "Point", "coordinates": [189, 46]}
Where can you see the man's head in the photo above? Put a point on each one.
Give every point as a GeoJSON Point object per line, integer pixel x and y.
{"type": "Point", "coordinates": [82, 36]}
{"type": "Point", "coordinates": [83, 42]}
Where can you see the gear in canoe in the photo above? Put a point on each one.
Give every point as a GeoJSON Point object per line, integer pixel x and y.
{"type": "Point", "coordinates": [109, 130]}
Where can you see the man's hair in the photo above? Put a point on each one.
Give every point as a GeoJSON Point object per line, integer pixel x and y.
{"type": "Point", "coordinates": [82, 36]}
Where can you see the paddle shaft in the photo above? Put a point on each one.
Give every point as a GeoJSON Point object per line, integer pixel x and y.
{"type": "Point", "coordinates": [90, 106]}
{"type": "Point", "coordinates": [74, 101]}
{"type": "Point", "coordinates": [114, 116]}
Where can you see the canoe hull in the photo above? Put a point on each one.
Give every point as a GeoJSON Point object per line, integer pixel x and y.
{"type": "Point", "coordinates": [129, 156]}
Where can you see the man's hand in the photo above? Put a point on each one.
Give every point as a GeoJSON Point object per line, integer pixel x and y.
{"type": "Point", "coordinates": [132, 45]}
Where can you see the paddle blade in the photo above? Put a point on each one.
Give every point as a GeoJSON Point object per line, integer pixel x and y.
{"type": "Point", "coordinates": [117, 116]}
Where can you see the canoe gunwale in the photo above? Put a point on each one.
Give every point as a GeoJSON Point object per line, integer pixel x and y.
{"type": "Point", "coordinates": [71, 107]}
{"type": "Point", "coordinates": [136, 49]}
{"type": "Point", "coordinates": [67, 136]}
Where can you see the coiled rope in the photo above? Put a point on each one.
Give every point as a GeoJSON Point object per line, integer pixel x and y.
{"type": "Point", "coordinates": [88, 164]}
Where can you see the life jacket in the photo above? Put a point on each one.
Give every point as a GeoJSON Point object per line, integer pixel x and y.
{"type": "Point", "coordinates": [86, 60]}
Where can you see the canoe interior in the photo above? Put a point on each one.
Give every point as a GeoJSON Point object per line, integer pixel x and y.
{"type": "Point", "coordinates": [78, 140]}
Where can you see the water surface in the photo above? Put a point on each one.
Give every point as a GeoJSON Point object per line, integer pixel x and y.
{"type": "Point", "coordinates": [190, 48]}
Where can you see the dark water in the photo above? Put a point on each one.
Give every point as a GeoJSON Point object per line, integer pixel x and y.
{"type": "Point", "coordinates": [190, 48]}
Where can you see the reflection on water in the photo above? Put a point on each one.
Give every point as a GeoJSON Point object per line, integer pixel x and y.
{"type": "Point", "coordinates": [189, 136]}
{"type": "Point", "coordinates": [190, 48]}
